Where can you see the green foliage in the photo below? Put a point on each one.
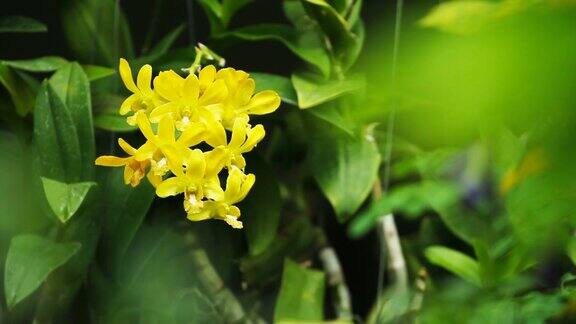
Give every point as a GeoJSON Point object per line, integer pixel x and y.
{"type": "Point", "coordinates": [347, 176]}
{"type": "Point", "coordinates": [19, 90]}
{"type": "Point", "coordinates": [96, 31]}
{"type": "Point", "coordinates": [65, 199]}
{"type": "Point", "coordinates": [455, 262]}
{"type": "Point", "coordinates": [21, 24]}
{"type": "Point", "coordinates": [30, 261]}
{"type": "Point", "coordinates": [315, 92]}
{"type": "Point", "coordinates": [301, 294]}
{"type": "Point", "coordinates": [278, 83]}
{"type": "Point", "coordinates": [262, 208]}
{"type": "Point", "coordinates": [56, 138]}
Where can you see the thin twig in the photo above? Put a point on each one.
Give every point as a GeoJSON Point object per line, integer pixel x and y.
{"type": "Point", "coordinates": [418, 297]}
{"type": "Point", "coordinates": [342, 300]}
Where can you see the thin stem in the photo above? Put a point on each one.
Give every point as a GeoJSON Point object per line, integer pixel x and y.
{"type": "Point", "coordinates": [333, 269]}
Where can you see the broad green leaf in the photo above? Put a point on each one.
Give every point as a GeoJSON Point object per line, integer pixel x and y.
{"type": "Point", "coordinates": [65, 199]}
{"type": "Point", "coordinates": [280, 84]}
{"type": "Point", "coordinates": [345, 168]}
{"type": "Point", "coordinates": [124, 212]}
{"type": "Point", "coordinates": [55, 137]}
{"type": "Point", "coordinates": [461, 17]}
{"type": "Point", "coordinates": [161, 47]}
{"type": "Point", "coordinates": [261, 208]}
{"type": "Point", "coordinates": [20, 24]}
{"type": "Point", "coordinates": [97, 31]}
{"type": "Point", "coordinates": [311, 91]}
{"type": "Point", "coordinates": [40, 64]}
{"type": "Point", "coordinates": [20, 92]}
{"type": "Point", "coordinates": [456, 262]}
{"type": "Point", "coordinates": [72, 86]}
{"type": "Point", "coordinates": [301, 294]}
{"type": "Point", "coordinates": [30, 260]}
{"type": "Point", "coordinates": [95, 72]}
{"type": "Point", "coordinates": [336, 113]}
{"type": "Point", "coordinates": [307, 46]}
{"type": "Point", "coordinates": [410, 200]}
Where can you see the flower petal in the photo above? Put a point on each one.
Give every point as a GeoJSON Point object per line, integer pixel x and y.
{"type": "Point", "coordinates": [112, 161]}
{"type": "Point", "coordinates": [144, 77]}
{"type": "Point", "coordinates": [126, 147]}
{"type": "Point", "coordinates": [238, 133]}
{"type": "Point", "coordinates": [191, 89]}
{"type": "Point", "coordinates": [192, 135]}
{"type": "Point", "coordinates": [170, 187]}
{"type": "Point", "coordinates": [163, 110]}
{"type": "Point", "coordinates": [166, 130]}
{"type": "Point", "coordinates": [255, 135]}
{"type": "Point", "coordinates": [215, 93]}
{"type": "Point", "coordinates": [127, 104]}
{"type": "Point", "coordinates": [126, 75]}
{"type": "Point", "coordinates": [263, 102]}
{"type": "Point", "coordinates": [244, 92]}
{"type": "Point", "coordinates": [168, 85]}
{"type": "Point", "coordinates": [145, 127]}
{"type": "Point", "coordinates": [206, 76]}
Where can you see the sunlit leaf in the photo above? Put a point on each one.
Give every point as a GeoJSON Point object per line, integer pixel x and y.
{"type": "Point", "coordinates": [301, 294]}
{"type": "Point", "coordinates": [456, 262]}
{"type": "Point", "coordinates": [65, 199]}
{"type": "Point", "coordinates": [30, 260]}
{"type": "Point", "coordinates": [20, 24]}
{"type": "Point", "coordinates": [461, 17]}
{"type": "Point", "coordinates": [312, 92]}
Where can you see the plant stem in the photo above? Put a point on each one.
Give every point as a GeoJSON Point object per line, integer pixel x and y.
{"type": "Point", "coordinates": [224, 300]}
{"type": "Point", "coordinates": [336, 280]}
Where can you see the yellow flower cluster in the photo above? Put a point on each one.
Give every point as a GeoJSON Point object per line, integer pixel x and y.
{"type": "Point", "coordinates": [175, 116]}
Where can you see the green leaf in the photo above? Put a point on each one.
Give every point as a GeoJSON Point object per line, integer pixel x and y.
{"type": "Point", "coordinates": [345, 167]}
{"type": "Point", "coordinates": [113, 123]}
{"type": "Point", "coordinates": [456, 262]}
{"type": "Point", "coordinates": [336, 113]}
{"type": "Point", "coordinates": [124, 212]}
{"type": "Point", "coordinates": [307, 46]}
{"type": "Point", "coordinates": [161, 47]}
{"type": "Point", "coordinates": [30, 260]}
{"type": "Point", "coordinates": [220, 13]}
{"type": "Point", "coordinates": [97, 31]}
{"type": "Point", "coordinates": [20, 92]}
{"type": "Point", "coordinates": [65, 199]}
{"type": "Point", "coordinates": [95, 72]}
{"type": "Point", "coordinates": [20, 24]}
{"type": "Point", "coordinates": [461, 17]}
{"type": "Point", "coordinates": [72, 86]}
{"type": "Point", "coordinates": [56, 138]}
{"type": "Point", "coordinates": [39, 64]}
{"type": "Point", "coordinates": [410, 200]}
{"type": "Point", "coordinates": [280, 84]}
{"type": "Point", "coordinates": [311, 91]}
{"type": "Point", "coordinates": [301, 296]}
{"type": "Point", "coordinates": [261, 208]}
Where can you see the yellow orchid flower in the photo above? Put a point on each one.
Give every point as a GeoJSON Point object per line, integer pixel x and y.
{"type": "Point", "coordinates": [223, 206]}
{"type": "Point", "coordinates": [244, 138]}
{"type": "Point", "coordinates": [175, 116]}
{"type": "Point", "coordinates": [134, 165]}
{"type": "Point", "coordinates": [186, 96]}
{"type": "Point", "coordinates": [143, 97]}
{"type": "Point", "coordinates": [241, 100]}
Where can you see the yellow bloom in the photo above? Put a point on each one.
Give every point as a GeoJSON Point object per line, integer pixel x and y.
{"type": "Point", "coordinates": [134, 166]}
{"type": "Point", "coordinates": [143, 97]}
{"type": "Point", "coordinates": [178, 114]}
{"type": "Point", "coordinates": [241, 100]}
{"type": "Point", "coordinates": [186, 96]}
{"type": "Point", "coordinates": [222, 206]}
{"type": "Point", "coordinates": [244, 138]}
